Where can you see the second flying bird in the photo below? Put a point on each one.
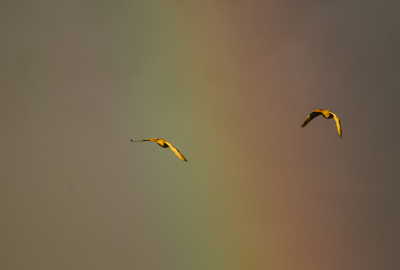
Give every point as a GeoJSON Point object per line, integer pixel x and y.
{"type": "Point", "coordinates": [325, 113]}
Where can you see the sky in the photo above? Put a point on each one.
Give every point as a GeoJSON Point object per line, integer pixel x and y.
{"type": "Point", "coordinates": [226, 82]}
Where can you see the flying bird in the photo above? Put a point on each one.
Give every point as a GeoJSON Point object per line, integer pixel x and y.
{"type": "Point", "coordinates": [164, 144]}
{"type": "Point", "coordinates": [325, 113]}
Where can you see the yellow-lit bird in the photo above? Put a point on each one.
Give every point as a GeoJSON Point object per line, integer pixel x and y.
{"type": "Point", "coordinates": [325, 113]}
{"type": "Point", "coordinates": [164, 144]}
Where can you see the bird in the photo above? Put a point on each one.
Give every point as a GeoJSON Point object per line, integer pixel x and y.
{"type": "Point", "coordinates": [164, 144]}
{"type": "Point", "coordinates": [325, 113]}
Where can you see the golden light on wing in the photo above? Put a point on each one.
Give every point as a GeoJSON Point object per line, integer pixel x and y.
{"type": "Point", "coordinates": [140, 140]}
{"type": "Point", "coordinates": [339, 127]}
{"type": "Point", "coordinates": [176, 151]}
{"type": "Point", "coordinates": [310, 117]}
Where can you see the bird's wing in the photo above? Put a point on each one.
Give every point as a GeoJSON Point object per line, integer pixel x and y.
{"type": "Point", "coordinates": [310, 117]}
{"type": "Point", "coordinates": [339, 128]}
{"type": "Point", "coordinates": [140, 140]}
{"type": "Point", "coordinates": [176, 151]}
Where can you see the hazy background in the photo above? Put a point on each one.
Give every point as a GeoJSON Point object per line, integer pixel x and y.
{"type": "Point", "coordinates": [228, 83]}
